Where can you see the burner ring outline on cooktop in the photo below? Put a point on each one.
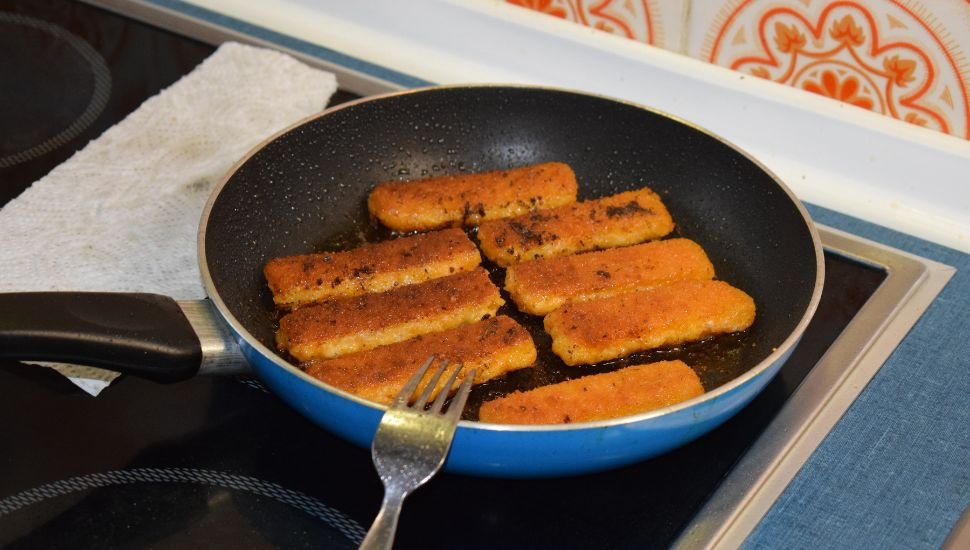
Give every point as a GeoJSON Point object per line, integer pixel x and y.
{"type": "Point", "coordinates": [96, 104]}
{"type": "Point", "coordinates": [347, 526]}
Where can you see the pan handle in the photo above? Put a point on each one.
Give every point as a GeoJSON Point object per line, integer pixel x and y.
{"type": "Point", "coordinates": [145, 335]}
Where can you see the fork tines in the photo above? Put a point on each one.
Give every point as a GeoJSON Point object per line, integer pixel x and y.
{"type": "Point", "coordinates": [404, 397]}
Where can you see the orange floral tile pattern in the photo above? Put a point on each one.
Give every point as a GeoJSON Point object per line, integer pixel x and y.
{"type": "Point", "coordinates": [881, 56]}
{"type": "Point", "coordinates": [631, 19]}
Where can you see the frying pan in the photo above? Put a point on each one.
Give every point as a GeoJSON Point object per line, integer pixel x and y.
{"type": "Point", "coordinates": [305, 189]}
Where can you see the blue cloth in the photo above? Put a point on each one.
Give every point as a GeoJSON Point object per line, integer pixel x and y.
{"type": "Point", "coordinates": [895, 470]}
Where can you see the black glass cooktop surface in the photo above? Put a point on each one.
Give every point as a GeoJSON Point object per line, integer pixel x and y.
{"type": "Point", "coordinates": [214, 463]}
{"type": "Point", "coordinates": [69, 72]}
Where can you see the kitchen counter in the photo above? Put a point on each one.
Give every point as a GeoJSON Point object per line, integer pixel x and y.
{"type": "Point", "coordinates": [895, 470]}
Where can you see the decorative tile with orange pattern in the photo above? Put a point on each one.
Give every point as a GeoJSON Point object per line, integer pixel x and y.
{"type": "Point", "coordinates": [901, 58]}
{"type": "Point", "coordinates": [893, 57]}
{"type": "Point", "coordinates": [656, 22]}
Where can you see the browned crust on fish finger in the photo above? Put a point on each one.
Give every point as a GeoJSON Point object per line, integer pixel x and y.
{"type": "Point", "coordinates": [492, 347]}
{"type": "Point", "coordinates": [617, 220]}
{"type": "Point", "coordinates": [297, 280]}
{"type": "Point", "coordinates": [538, 287]}
{"type": "Point", "coordinates": [676, 313]}
{"type": "Point", "coordinates": [469, 199]}
{"type": "Point", "coordinates": [348, 325]}
{"type": "Point", "coordinates": [630, 390]}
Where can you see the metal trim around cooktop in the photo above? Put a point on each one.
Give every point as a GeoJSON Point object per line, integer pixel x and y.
{"type": "Point", "coordinates": [833, 384]}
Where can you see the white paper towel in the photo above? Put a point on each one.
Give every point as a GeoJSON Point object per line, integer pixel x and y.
{"type": "Point", "coordinates": [122, 213]}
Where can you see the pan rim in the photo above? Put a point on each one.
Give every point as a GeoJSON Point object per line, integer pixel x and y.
{"type": "Point", "coordinates": [780, 352]}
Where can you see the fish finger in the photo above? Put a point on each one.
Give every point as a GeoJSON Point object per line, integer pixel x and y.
{"type": "Point", "coordinates": [347, 325]}
{"type": "Point", "coordinates": [297, 280]}
{"type": "Point", "coordinates": [540, 286]}
{"type": "Point", "coordinates": [676, 313]}
{"type": "Point", "coordinates": [617, 220]}
{"type": "Point", "coordinates": [630, 390]}
{"type": "Point", "coordinates": [470, 198]}
{"type": "Point", "coordinates": [492, 347]}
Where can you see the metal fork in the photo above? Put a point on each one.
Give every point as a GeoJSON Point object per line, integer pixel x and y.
{"type": "Point", "coordinates": [411, 444]}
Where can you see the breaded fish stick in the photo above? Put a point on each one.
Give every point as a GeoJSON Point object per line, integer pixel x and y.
{"type": "Point", "coordinates": [468, 199]}
{"type": "Point", "coordinates": [618, 220]}
{"type": "Point", "coordinates": [676, 313]}
{"type": "Point", "coordinates": [297, 280]}
{"type": "Point", "coordinates": [492, 347]}
{"type": "Point", "coordinates": [538, 287]}
{"type": "Point", "coordinates": [348, 325]}
{"type": "Point", "coordinates": [630, 390]}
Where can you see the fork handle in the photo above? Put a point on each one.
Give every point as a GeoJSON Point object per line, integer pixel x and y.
{"type": "Point", "coordinates": [381, 533]}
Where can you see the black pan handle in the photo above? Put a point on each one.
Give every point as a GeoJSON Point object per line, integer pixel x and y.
{"type": "Point", "coordinates": [146, 335]}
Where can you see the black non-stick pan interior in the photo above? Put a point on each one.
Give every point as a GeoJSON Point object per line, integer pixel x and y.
{"type": "Point", "coordinates": [307, 189]}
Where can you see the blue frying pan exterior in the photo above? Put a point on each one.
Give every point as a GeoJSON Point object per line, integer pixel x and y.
{"type": "Point", "coordinates": [313, 179]}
